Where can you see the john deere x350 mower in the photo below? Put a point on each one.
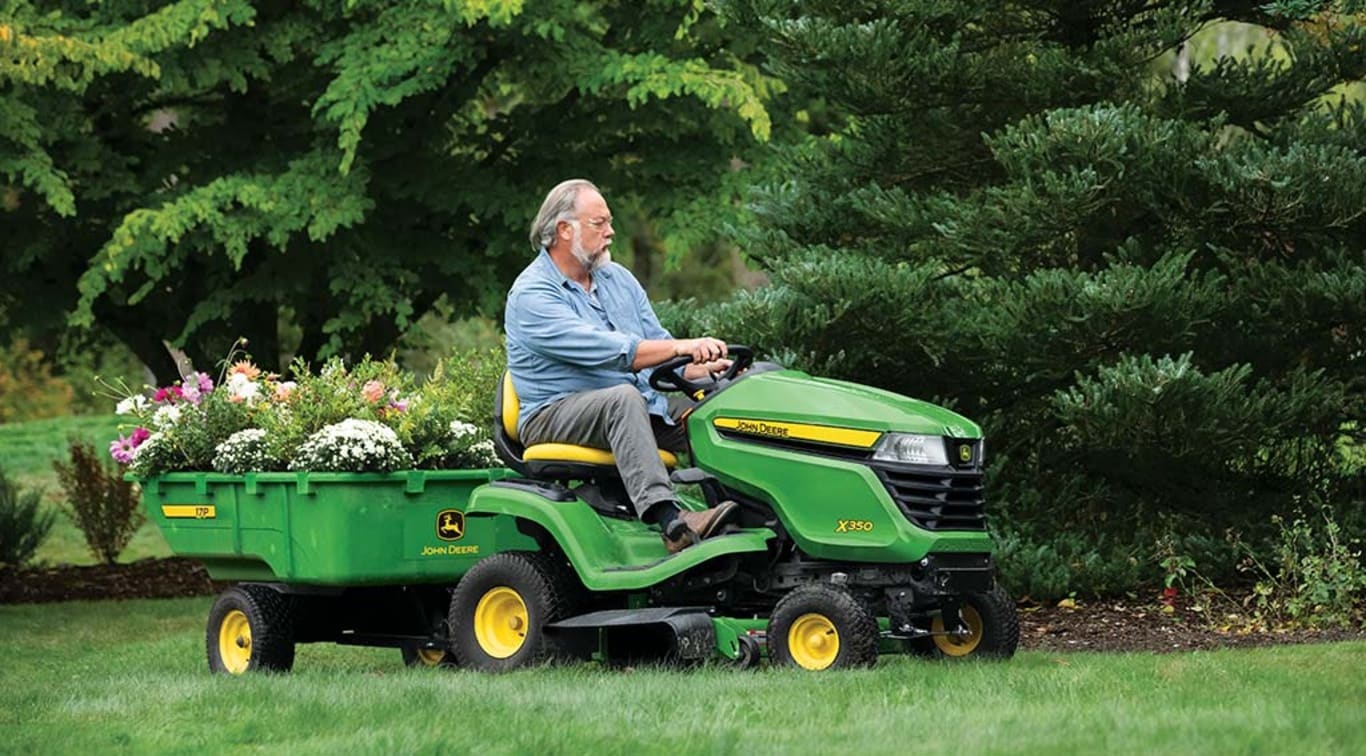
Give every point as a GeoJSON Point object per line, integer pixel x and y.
{"type": "Point", "coordinates": [862, 531]}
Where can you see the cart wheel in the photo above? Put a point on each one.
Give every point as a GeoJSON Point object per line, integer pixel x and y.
{"type": "Point", "coordinates": [500, 607]}
{"type": "Point", "coordinates": [251, 627]}
{"type": "Point", "coordinates": [822, 626]}
{"type": "Point", "coordinates": [749, 657]}
{"type": "Point", "coordinates": [418, 656]}
{"type": "Point", "coordinates": [993, 627]}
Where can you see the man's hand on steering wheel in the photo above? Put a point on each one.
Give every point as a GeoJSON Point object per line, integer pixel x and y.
{"type": "Point", "coordinates": [699, 377]}
{"type": "Point", "coordinates": [706, 371]}
{"type": "Point", "coordinates": [705, 349]}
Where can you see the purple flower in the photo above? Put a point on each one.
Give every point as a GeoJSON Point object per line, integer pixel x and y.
{"type": "Point", "coordinates": [139, 435]}
{"type": "Point", "coordinates": [122, 450]}
{"type": "Point", "coordinates": [399, 405]}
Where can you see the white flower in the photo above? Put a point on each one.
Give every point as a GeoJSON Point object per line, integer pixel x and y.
{"type": "Point", "coordinates": [243, 451]}
{"type": "Point", "coordinates": [242, 388]}
{"type": "Point", "coordinates": [165, 417]}
{"type": "Point", "coordinates": [133, 405]}
{"type": "Point", "coordinates": [352, 446]}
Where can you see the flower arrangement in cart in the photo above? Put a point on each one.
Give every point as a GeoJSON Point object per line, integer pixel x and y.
{"type": "Point", "coordinates": [371, 417]}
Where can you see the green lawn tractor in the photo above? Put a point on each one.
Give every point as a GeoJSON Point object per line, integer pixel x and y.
{"type": "Point", "coordinates": [860, 531]}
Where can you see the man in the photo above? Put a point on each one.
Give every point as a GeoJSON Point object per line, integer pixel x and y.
{"type": "Point", "coordinates": [581, 338]}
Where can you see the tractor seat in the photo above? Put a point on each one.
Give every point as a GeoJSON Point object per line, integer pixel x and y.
{"type": "Point", "coordinates": [553, 461]}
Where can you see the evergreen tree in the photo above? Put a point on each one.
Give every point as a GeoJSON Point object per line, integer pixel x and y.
{"type": "Point", "coordinates": [1142, 273]}
{"type": "Point", "coordinates": [199, 170]}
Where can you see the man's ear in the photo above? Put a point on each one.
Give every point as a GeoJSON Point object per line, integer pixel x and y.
{"type": "Point", "coordinates": [565, 230]}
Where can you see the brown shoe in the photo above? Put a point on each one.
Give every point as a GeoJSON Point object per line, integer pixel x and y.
{"type": "Point", "coordinates": [684, 540]}
{"type": "Point", "coordinates": [705, 523]}
{"type": "Point", "coordinates": [699, 525]}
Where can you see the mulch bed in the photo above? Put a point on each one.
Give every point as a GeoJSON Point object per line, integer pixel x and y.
{"type": "Point", "coordinates": [1088, 626]}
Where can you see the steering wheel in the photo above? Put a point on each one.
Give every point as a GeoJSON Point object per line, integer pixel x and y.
{"type": "Point", "coordinates": [666, 378]}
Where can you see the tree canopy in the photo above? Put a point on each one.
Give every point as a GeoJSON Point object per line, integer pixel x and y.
{"type": "Point", "coordinates": [199, 170]}
{"type": "Point", "coordinates": [1143, 275]}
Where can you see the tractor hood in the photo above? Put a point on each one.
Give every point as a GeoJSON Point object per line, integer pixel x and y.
{"type": "Point", "coordinates": [790, 396]}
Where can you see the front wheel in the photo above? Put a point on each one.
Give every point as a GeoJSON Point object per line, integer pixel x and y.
{"type": "Point", "coordinates": [501, 607]}
{"type": "Point", "coordinates": [992, 624]}
{"type": "Point", "coordinates": [415, 655]}
{"type": "Point", "coordinates": [822, 626]}
{"type": "Point", "coordinates": [251, 627]}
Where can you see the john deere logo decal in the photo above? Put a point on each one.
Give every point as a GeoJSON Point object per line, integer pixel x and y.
{"type": "Point", "coordinates": [450, 525]}
{"type": "Point", "coordinates": [965, 452]}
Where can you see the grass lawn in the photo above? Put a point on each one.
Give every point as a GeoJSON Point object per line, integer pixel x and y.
{"type": "Point", "coordinates": [27, 451]}
{"type": "Point", "coordinates": [91, 677]}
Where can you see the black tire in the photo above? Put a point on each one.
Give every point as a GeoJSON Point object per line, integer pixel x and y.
{"type": "Point", "coordinates": [414, 655]}
{"type": "Point", "coordinates": [250, 628]}
{"type": "Point", "coordinates": [823, 613]}
{"type": "Point", "coordinates": [995, 626]}
{"type": "Point", "coordinates": [546, 590]}
{"type": "Point", "coordinates": [750, 655]}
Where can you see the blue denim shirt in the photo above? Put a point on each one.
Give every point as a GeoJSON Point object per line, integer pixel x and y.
{"type": "Point", "coordinates": [562, 340]}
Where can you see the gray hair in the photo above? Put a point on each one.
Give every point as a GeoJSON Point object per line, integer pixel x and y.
{"type": "Point", "coordinates": [560, 204]}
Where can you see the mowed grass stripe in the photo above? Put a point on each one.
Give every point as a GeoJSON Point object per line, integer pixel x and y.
{"type": "Point", "coordinates": [89, 677]}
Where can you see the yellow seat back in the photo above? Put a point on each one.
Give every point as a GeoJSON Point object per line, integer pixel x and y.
{"type": "Point", "coordinates": [512, 406]}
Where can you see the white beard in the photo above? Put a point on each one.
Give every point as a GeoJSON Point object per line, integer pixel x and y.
{"type": "Point", "coordinates": [591, 263]}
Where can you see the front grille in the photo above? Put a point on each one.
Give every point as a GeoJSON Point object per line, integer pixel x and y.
{"type": "Point", "coordinates": [935, 498]}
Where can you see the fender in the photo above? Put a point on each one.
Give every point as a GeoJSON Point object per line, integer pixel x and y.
{"type": "Point", "coordinates": [608, 554]}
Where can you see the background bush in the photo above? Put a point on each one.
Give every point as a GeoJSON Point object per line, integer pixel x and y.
{"type": "Point", "coordinates": [1142, 272]}
{"type": "Point", "coordinates": [23, 522]}
{"type": "Point", "coordinates": [102, 505]}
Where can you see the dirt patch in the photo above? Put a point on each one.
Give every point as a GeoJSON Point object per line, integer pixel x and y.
{"type": "Point", "coordinates": [146, 578]}
{"type": "Point", "coordinates": [1087, 626]}
{"type": "Point", "coordinates": [1132, 626]}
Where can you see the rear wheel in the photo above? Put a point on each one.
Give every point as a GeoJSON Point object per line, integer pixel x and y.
{"type": "Point", "coordinates": [501, 607]}
{"type": "Point", "coordinates": [822, 626]}
{"type": "Point", "coordinates": [992, 624]}
{"type": "Point", "coordinates": [251, 627]}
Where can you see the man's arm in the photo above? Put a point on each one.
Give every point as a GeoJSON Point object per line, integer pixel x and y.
{"type": "Point", "coordinates": [651, 352]}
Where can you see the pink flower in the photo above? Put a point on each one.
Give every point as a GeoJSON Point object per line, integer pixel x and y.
{"type": "Point", "coordinates": [373, 391]}
{"type": "Point", "coordinates": [169, 394]}
{"type": "Point", "coordinates": [121, 450]}
{"type": "Point", "coordinates": [399, 405]}
{"type": "Point", "coordinates": [196, 385]}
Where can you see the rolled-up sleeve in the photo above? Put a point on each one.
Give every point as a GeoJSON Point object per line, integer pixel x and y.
{"type": "Point", "coordinates": [548, 326]}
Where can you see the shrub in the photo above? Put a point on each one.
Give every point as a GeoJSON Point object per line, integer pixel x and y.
{"type": "Point", "coordinates": [28, 389]}
{"type": "Point", "coordinates": [1314, 578]}
{"type": "Point", "coordinates": [23, 523]}
{"type": "Point", "coordinates": [103, 506]}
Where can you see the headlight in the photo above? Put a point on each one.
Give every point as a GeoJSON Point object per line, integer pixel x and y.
{"type": "Point", "coordinates": [911, 448]}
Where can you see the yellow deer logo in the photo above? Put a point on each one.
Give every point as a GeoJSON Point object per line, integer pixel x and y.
{"type": "Point", "coordinates": [450, 525]}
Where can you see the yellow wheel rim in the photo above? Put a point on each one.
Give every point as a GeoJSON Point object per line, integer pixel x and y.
{"type": "Point", "coordinates": [813, 641]}
{"type": "Point", "coordinates": [234, 642]}
{"type": "Point", "coordinates": [953, 645]}
{"type": "Point", "coordinates": [430, 657]}
{"type": "Point", "coordinates": [501, 622]}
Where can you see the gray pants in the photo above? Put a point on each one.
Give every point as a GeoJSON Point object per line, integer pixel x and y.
{"type": "Point", "coordinates": [616, 418]}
